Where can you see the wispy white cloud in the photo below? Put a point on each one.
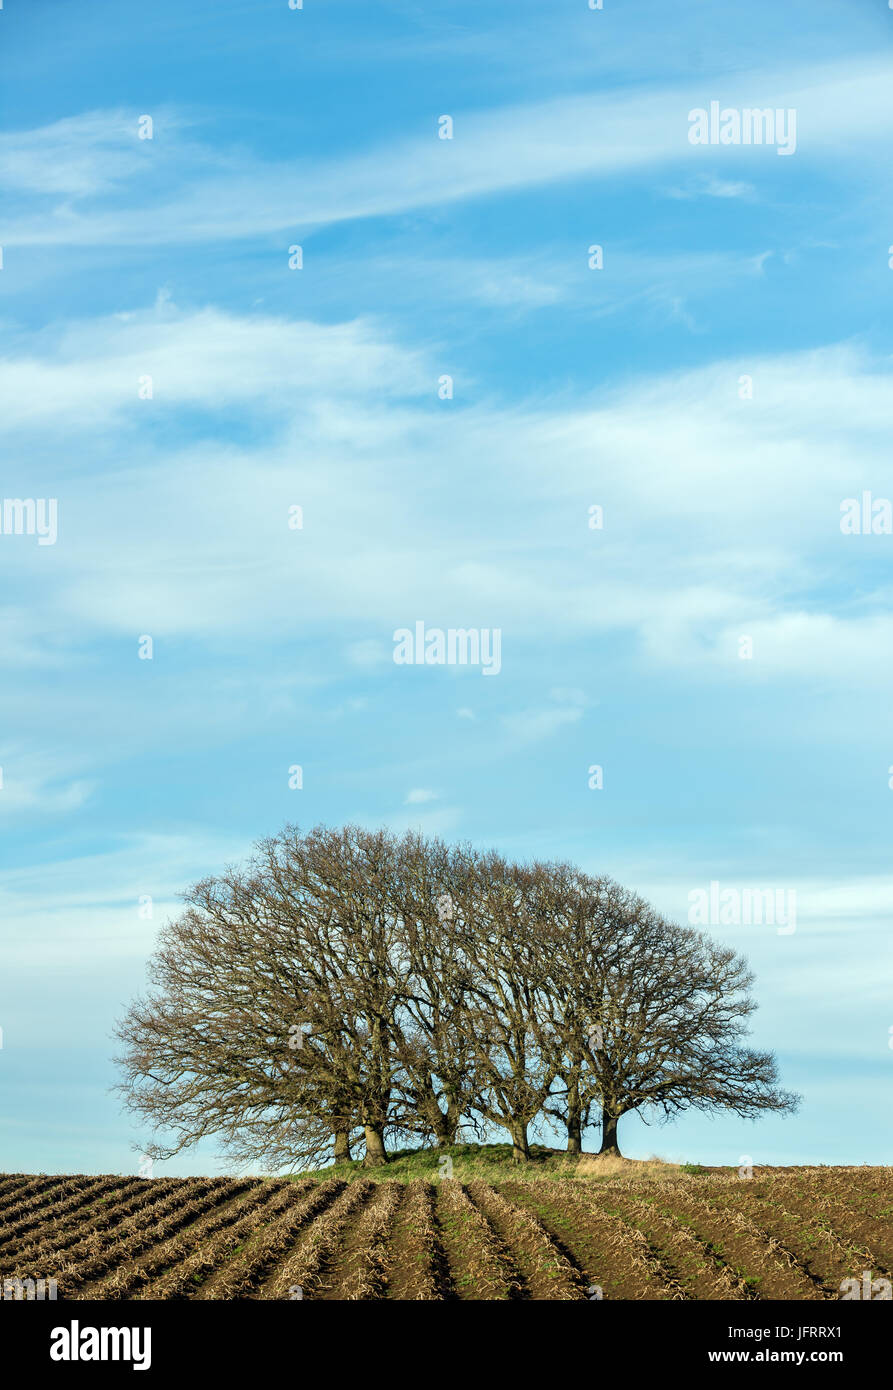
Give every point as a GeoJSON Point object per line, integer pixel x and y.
{"type": "Point", "coordinates": [39, 784]}
{"type": "Point", "coordinates": [534, 725]}
{"type": "Point", "coordinates": [840, 106]}
{"type": "Point", "coordinates": [92, 370]}
{"type": "Point", "coordinates": [707, 186]}
{"type": "Point", "coordinates": [80, 156]}
{"type": "Point", "coordinates": [91, 908]}
{"type": "Point", "coordinates": [193, 537]}
{"type": "Point", "coordinates": [417, 796]}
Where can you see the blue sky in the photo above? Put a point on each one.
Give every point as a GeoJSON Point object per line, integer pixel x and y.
{"type": "Point", "coordinates": [620, 387]}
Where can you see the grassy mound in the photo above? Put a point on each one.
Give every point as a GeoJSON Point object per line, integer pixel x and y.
{"type": "Point", "coordinates": [493, 1163]}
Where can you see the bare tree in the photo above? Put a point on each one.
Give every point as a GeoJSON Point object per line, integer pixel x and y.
{"type": "Point", "coordinates": [496, 936]}
{"type": "Point", "coordinates": [222, 1045]}
{"type": "Point", "coordinates": [439, 1072]}
{"type": "Point", "coordinates": [652, 1016]}
{"type": "Point", "coordinates": [339, 883]}
{"type": "Point", "coordinates": [566, 936]}
{"type": "Point", "coordinates": [348, 983]}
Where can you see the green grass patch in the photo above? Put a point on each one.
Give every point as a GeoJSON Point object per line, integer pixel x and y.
{"type": "Point", "coordinates": [493, 1163]}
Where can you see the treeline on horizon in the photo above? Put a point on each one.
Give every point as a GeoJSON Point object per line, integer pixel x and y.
{"type": "Point", "coordinates": [349, 987]}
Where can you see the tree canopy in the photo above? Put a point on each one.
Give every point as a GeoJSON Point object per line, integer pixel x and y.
{"type": "Point", "coordinates": [349, 986]}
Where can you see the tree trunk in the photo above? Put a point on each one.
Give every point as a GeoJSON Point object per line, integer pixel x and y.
{"type": "Point", "coordinates": [375, 1150]}
{"type": "Point", "coordinates": [574, 1119]}
{"type": "Point", "coordinates": [520, 1148]}
{"type": "Point", "coordinates": [453, 1119]}
{"type": "Point", "coordinates": [342, 1146]}
{"type": "Point", "coordinates": [444, 1129]}
{"type": "Point", "coordinates": [609, 1134]}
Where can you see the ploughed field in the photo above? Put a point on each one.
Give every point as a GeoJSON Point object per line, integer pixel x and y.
{"type": "Point", "coordinates": [794, 1233]}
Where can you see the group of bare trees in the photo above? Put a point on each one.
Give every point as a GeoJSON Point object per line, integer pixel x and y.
{"type": "Point", "coordinates": [351, 984]}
